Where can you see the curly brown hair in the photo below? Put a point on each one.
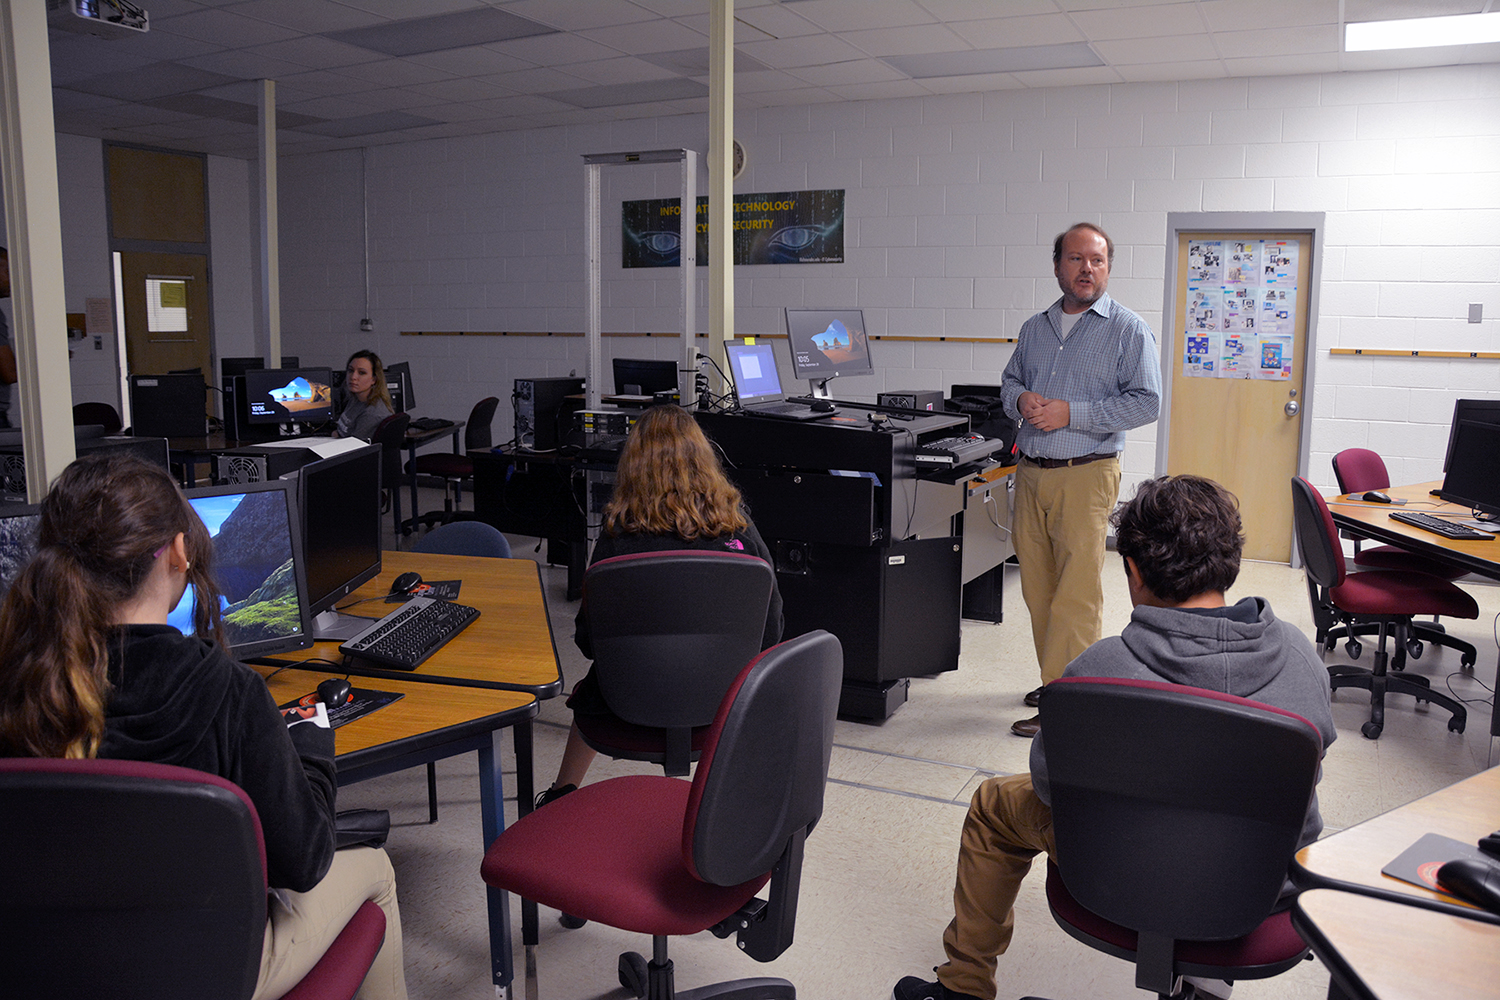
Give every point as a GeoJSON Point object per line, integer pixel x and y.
{"type": "Point", "coordinates": [1184, 535]}
{"type": "Point", "coordinates": [103, 524]}
{"type": "Point", "coordinates": [670, 482]}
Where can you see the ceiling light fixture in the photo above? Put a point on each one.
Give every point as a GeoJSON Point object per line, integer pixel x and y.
{"type": "Point", "coordinates": [1422, 32]}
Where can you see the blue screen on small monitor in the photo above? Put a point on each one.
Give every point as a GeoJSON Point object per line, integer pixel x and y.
{"type": "Point", "coordinates": [753, 368]}
{"type": "Point", "coordinates": [280, 395]}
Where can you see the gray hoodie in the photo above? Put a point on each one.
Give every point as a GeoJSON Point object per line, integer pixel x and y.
{"type": "Point", "coordinates": [1242, 650]}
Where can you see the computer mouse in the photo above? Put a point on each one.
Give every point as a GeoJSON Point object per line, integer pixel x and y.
{"type": "Point", "coordinates": [1375, 496]}
{"type": "Point", "coordinates": [821, 406]}
{"type": "Point", "coordinates": [1490, 844]}
{"type": "Point", "coordinates": [406, 583]}
{"type": "Point", "coordinates": [1476, 881]}
{"type": "Point", "coordinates": [334, 692]}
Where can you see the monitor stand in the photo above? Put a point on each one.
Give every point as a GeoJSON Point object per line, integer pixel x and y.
{"type": "Point", "coordinates": [331, 626]}
{"type": "Point", "coordinates": [819, 388]}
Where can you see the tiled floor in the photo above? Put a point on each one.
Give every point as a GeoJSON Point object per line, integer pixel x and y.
{"type": "Point", "coordinates": [876, 887]}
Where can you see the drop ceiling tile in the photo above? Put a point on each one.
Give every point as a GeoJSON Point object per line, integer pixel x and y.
{"type": "Point", "coordinates": [694, 61]}
{"type": "Point", "coordinates": [1278, 42]}
{"type": "Point", "coordinates": [775, 21]}
{"type": "Point", "coordinates": [1203, 69]}
{"type": "Point", "coordinates": [625, 69]}
{"type": "Point", "coordinates": [440, 32]}
{"type": "Point", "coordinates": [458, 90]}
{"type": "Point", "coordinates": [475, 60]}
{"type": "Point", "coordinates": [1243, 15]}
{"type": "Point", "coordinates": [394, 73]}
{"type": "Point", "coordinates": [312, 52]}
{"type": "Point", "coordinates": [973, 10]}
{"type": "Point", "coordinates": [248, 92]}
{"type": "Point", "coordinates": [375, 124]}
{"type": "Point", "coordinates": [851, 15]}
{"type": "Point", "coordinates": [397, 10]}
{"type": "Point", "coordinates": [633, 93]}
{"type": "Point", "coordinates": [650, 36]}
{"type": "Point", "coordinates": [324, 83]}
{"type": "Point", "coordinates": [1130, 51]}
{"type": "Point", "coordinates": [879, 91]}
{"type": "Point", "coordinates": [222, 27]}
{"type": "Point", "coordinates": [1275, 65]}
{"type": "Point", "coordinates": [570, 15]}
{"type": "Point", "coordinates": [535, 81]}
{"type": "Point", "coordinates": [556, 50]}
{"type": "Point", "coordinates": [971, 84]}
{"type": "Point", "coordinates": [156, 80]}
{"type": "Point", "coordinates": [1010, 32]}
{"type": "Point", "coordinates": [808, 50]}
{"type": "Point", "coordinates": [1141, 21]}
{"type": "Point", "coordinates": [74, 64]}
{"type": "Point", "coordinates": [324, 109]}
{"type": "Point", "coordinates": [767, 82]}
{"type": "Point", "coordinates": [243, 64]}
{"type": "Point", "coordinates": [390, 99]}
{"type": "Point", "coordinates": [71, 100]}
{"type": "Point", "coordinates": [306, 15]}
{"type": "Point", "coordinates": [524, 104]}
{"type": "Point", "coordinates": [847, 73]}
{"type": "Point", "coordinates": [1387, 10]}
{"type": "Point", "coordinates": [1081, 77]}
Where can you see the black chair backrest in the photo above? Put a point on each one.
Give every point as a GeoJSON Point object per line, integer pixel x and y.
{"type": "Point", "coordinates": [671, 631]}
{"type": "Point", "coordinates": [391, 435]}
{"type": "Point", "coordinates": [103, 414]}
{"type": "Point", "coordinates": [1317, 536]}
{"type": "Point", "coordinates": [1176, 810]}
{"type": "Point", "coordinates": [761, 777]}
{"type": "Point", "coordinates": [128, 879]}
{"type": "Point", "coordinates": [477, 429]}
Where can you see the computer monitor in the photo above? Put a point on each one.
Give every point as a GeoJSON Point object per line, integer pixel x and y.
{"type": "Point", "coordinates": [230, 367]}
{"type": "Point", "coordinates": [339, 498]}
{"type": "Point", "coordinates": [18, 528]}
{"type": "Point", "coordinates": [643, 377]}
{"type": "Point", "coordinates": [752, 367]}
{"type": "Point", "coordinates": [1486, 411]}
{"type": "Point", "coordinates": [827, 343]}
{"type": "Point", "coordinates": [398, 382]}
{"type": "Point", "coordinates": [168, 405]}
{"type": "Point", "coordinates": [258, 566]}
{"type": "Point", "coordinates": [1473, 478]}
{"type": "Point", "coordinates": [289, 395]}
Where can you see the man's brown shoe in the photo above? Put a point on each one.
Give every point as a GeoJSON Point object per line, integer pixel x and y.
{"type": "Point", "coordinates": [1033, 698]}
{"type": "Point", "coordinates": [1027, 727]}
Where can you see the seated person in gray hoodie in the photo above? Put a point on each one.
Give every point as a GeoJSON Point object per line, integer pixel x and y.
{"type": "Point", "coordinates": [1181, 540]}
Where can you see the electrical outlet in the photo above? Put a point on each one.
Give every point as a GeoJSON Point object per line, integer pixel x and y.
{"type": "Point", "coordinates": [98, 342]}
{"type": "Point", "coordinates": [1476, 312]}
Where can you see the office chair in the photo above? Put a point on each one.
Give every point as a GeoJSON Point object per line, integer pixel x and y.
{"type": "Point", "coordinates": [1386, 598]}
{"type": "Point", "coordinates": [102, 414]}
{"type": "Point", "coordinates": [1358, 470]}
{"type": "Point", "coordinates": [465, 538]}
{"type": "Point", "coordinates": [391, 436]}
{"type": "Point", "coordinates": [455, 468]}
{"type": "Point", "coordinates": [135, 880]}
{"type": "Point", "coordinates": [1176, 812]}
{"type": "Point", "coordinates": [660, 856]}
{"type": "Point", "coordinates": [669, 632]}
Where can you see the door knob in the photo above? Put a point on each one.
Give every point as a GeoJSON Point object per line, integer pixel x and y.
{"type": "Point", "coordinates": [1291, 408]}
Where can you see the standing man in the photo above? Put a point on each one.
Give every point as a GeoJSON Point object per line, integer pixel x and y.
{"type": "Point", "coordinates": [1084, 372]}
{"type": "Point", "coordinates": [7, 353]}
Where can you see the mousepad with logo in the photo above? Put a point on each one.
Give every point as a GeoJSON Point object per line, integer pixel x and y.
{"type": "Point", "coordinates": [443, 590]}
{"type": "Point", "coordinates": [1419, 863]}
{"type": "Point", "coordinates": [362, 701]}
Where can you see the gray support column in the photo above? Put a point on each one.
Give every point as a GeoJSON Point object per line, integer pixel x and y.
{"type": "Point", "coordinates": [593, 282]}
{"type": "Point", "coordinates": [688, 235]}
{"type": "Point", "coordinates": [720, 174]}
{"type": "Point", "coordinates": [28, 167]}
{"type": "Point", "coordinates": [270, 239]}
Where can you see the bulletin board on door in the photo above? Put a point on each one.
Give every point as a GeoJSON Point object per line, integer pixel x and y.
{"type": "Point", "coordinates": [1239, 358]}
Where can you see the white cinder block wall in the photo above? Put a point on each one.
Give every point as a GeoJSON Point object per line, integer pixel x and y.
{"type": "Point", "coordinates": [952, 203]}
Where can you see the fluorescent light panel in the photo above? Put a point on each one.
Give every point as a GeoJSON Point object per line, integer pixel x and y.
{"type": "Point", "coordinates": [1422, 32]}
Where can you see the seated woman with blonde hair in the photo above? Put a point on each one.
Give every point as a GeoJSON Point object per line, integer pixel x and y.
{"type": "Point", "coordinates": [89, 667]}
{"type": "Point", "coordinates": [670, 493]}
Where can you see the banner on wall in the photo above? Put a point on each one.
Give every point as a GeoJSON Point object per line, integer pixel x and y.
{"type": "Point", "coordinates": [782, 227]}
{"type": "Point", "coordinates": [1241, 309]}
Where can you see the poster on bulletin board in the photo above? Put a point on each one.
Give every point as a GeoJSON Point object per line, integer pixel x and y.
{"type": "Point", "coordinates": [1241, 309]}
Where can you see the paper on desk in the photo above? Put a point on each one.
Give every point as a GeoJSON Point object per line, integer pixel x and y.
{"type": "Point", "coordinates": [323, 447]}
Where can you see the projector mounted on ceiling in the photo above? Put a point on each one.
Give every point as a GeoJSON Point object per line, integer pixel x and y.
{"type": "Point", "coordinates": [104, 18]}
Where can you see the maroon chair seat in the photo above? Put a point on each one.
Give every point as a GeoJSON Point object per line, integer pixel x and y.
{"type": "Point", "coordinates": [661, 856]}
{"type": "Point", "coordinates": [1386, 599]}
{"type": "Point", "coordinates": [1176, 812]}
{"type": "Point", "coordinates": [454, 469]}
{"type": "Point", "coordinates": [137, 879]}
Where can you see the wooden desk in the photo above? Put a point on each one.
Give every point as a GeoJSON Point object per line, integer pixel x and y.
{"type": "Point", "coordinates": [432, 722]}
{"type": "Point", "coordinates": [1373, 520]}
{"type": "Point", "coordinates": [1351, 859]}
{"type": "Point", "coordinates": [1380, 950]}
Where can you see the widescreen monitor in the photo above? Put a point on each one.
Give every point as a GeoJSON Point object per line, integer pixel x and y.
{"type": "Point", "coordinates": [289, 395]}
{"type": "Point", "coordinates": [643, 377]}
{"type": "Point", "coordinates": [257, 565]}
{"type": "Point", "coordinates": [168, 405]}
{"type": "Point", "coordinates": [339, 498]}
{"type": "Point", "coordinates": [18, 528]}
{"type": "Point", "coordinates": [1473, 479]}
{"type": "Point", "coordinates": [1485, 411]}
{"type": "Point", "coordinates": [828, 343]}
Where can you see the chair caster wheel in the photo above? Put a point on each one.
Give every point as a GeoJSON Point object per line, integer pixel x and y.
{"type": "Point", "coordinates": [633, 975]}
{"type": "Point", "coordinates": [1353, 648]}
{"type": "Point", "coordinates": [1414, 648]}
{"type": "Point", "coordinates": [1371, 730]}
{"type": "Point", "coordinates": [571, 922]}
{"type": "Point", "coordinates": [1456, 725]}
{"type": "Point", "coordinates": [1466, 662]}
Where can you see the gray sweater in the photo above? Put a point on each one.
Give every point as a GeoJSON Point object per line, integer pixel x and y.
{"type": "Point", "coordinates": [1244, 651]}
{"type": "Point", "coordinates": [360, 420]}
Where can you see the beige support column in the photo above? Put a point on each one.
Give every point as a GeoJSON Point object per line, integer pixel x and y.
{"type": "Point", "coordinates": [270, 239]}
{"type": "Point", "coordinates": [28, 167]}
{"type": "Point", "coordinates": [720, 175]}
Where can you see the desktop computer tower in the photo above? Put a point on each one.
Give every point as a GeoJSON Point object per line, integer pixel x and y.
{"type": "Point", "coordinates": [168, 405]}
{"type": "Point", "coordinates": [543, 410]}
{"type": "Point", "coordinates": [259, 465]}
{"type": "Point", "coordinates": [913, 399]}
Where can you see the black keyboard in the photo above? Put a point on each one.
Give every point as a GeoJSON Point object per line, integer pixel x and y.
{"type": "Point", "coordinates": [1442, 526]}
{"type": "Point", "coordinates": [429, 424]}
{"type": "Point", "coordinates": [410, 634]}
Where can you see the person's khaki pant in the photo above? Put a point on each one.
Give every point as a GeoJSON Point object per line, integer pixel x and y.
{"type": "Point", "coordinates": [1006, 827]}
{"type": "Point", "coordinates": [302, 925]}
{"type": "Point", "coordinates": [1061, 520]}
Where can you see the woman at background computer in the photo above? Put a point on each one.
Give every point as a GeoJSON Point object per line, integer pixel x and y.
{"type": "Point", "coordinates": [367, 401]}
{"type": "Point", "coordinates": [89, 667]}
{"type": "Point", "coordinates": [670, 493]}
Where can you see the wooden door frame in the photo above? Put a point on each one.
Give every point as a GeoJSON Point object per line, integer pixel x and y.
{"type": "Point", "coordinates": [1311, 223]}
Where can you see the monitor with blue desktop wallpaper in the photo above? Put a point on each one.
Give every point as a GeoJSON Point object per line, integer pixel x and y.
{"type": "Point", "coordinates": [1473, 477]}
{"type": "Point", "coordinates": [828, 343]}
{"type": "Point", "coordinates": [289, 395]}
{"type": "Point", "coordinates": [1486, 411]}
{"type": "Point", "coordinates": [257, 565]}
{"type": "Point", "coordinates": [643, 377]}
